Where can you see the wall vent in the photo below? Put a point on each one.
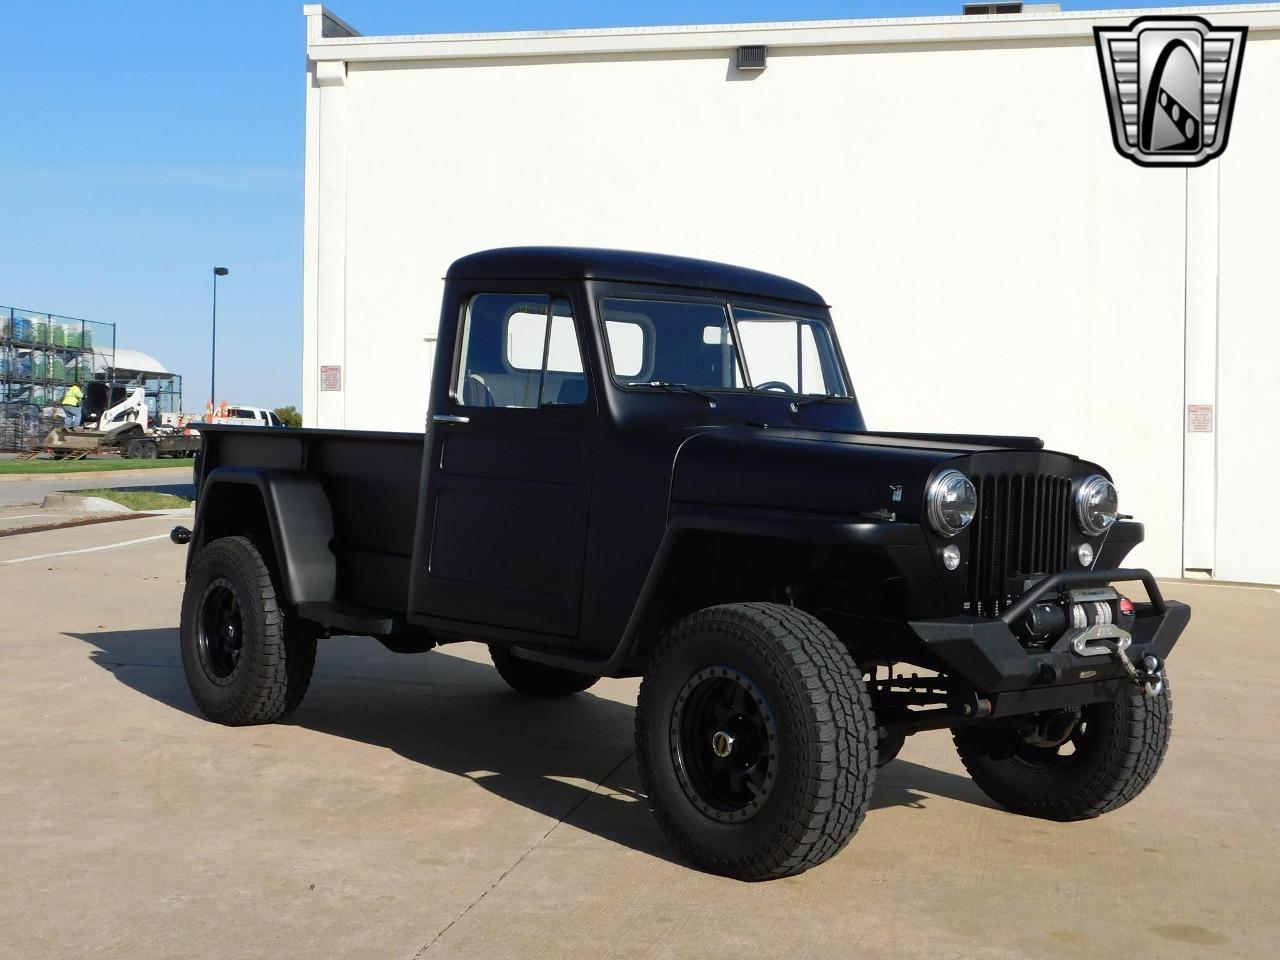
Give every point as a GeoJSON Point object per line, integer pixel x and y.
{"type": "Point", "coordinates": [990, 9]}
{"type": "Point", "coordinates": [995, 9]}
{"type": "Point", "coordinates": [753, 58]}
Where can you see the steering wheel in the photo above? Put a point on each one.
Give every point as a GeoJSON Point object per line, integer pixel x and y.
{"type": "Point", "coordinates": [774, 385]}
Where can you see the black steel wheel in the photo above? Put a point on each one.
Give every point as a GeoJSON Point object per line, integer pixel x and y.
{"type": "Point", "coordinates": [1071, 764]}
{"type": "Point", "coordinates": [755, 740]}
{"type": "Point", "coordinates": [220, 631]}
{"type": "Point", "coordinates": [723, 738]}
{"type": "Point", "coordinates": [247, 658]}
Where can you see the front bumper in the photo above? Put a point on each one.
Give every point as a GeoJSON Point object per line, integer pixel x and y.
{"type": "Point", "coordinates": [1022, 679]}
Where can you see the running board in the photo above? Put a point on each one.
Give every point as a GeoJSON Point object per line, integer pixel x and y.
{"type": "Point", "coordinates": [348, 618]}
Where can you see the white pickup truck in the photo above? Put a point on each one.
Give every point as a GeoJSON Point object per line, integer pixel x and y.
{"type": "Point", "coordinates": [251, 417]}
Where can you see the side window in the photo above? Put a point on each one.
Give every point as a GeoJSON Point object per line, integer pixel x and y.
{"type": "Point", "coordinates": [526, 331]}
{"type": "Point", "coordinates": [626, 344]}
{"type": "Point", "coordinates": [519, 352]}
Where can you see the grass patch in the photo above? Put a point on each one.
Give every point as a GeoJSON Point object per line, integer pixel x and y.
{"type": "Point", "coordinates": [85, 466]}
{"type": "Point", "coordinates": [139, 499]}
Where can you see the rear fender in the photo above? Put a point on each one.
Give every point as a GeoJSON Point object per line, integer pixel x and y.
{"type": "Point", "coordinates": [289, 509]}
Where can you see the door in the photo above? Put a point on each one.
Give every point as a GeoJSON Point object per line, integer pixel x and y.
{"type": "Point", "coordinates": [1248, 388]}
{"type": "Point", "coordinates": [507, 485]}
{"type": "Point", "coordinates": [1237, 400]}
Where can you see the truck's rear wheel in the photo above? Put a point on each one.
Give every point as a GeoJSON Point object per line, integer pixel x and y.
{"type": "Point", "coordinates": [247, 658]}
{"type": "Point", "coordinates": [538, 679]}
{"type": "Point", "coordinates": [756, 740]}
{"type": "Point", "coordinates": [1071, 765]}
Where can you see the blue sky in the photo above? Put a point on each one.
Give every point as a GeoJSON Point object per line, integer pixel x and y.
{"type": "Point", "coordinates": [148, 141]}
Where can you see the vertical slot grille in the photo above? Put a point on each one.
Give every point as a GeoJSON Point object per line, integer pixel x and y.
{"type": "Point", "coordinates": [1022, 528]}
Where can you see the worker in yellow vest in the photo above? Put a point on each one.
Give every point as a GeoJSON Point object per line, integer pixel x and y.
{"type": "Point", "coordinates": [71, 405]}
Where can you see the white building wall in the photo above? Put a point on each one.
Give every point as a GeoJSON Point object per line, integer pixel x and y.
{"type": "Point", "coordinates": [993, 264]}
{"type": "Point", "coordinates": [1248, 386]}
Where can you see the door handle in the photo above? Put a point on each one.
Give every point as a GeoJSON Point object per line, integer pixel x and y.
{"type": "Point", "coordinates": [449, 418]}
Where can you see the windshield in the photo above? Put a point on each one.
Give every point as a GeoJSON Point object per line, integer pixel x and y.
{"type": "Point", "coordinates": [693, 344]}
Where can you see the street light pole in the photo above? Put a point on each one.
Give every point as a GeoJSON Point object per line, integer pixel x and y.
{"type": "Point", "coordinates": [213, 350]}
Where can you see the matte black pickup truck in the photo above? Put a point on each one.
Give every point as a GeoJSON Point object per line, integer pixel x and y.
{"type": "Point", "coordinates": [648, 465]}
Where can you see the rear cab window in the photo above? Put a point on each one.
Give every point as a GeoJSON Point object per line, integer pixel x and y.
{"type": "Point", "coordinates": [670, 341]}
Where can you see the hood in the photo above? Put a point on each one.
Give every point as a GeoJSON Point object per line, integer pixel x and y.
{"type": "Point", "coordinates": [864, 474]}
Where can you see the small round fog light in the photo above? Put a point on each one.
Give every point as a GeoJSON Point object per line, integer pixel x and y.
{"type": "Point", "coordinates": [1085, 555]}
{"type": "Point", "coordinates": [951, 556]}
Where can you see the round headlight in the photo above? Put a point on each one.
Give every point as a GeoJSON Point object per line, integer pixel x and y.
{"type": "Point", "coordinates": [952, 502]}
{"type": "Point", "coordinates": [1097, 504]}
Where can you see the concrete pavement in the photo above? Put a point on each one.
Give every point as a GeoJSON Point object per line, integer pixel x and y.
{"type": "Point", "coordinates": [414, 807]}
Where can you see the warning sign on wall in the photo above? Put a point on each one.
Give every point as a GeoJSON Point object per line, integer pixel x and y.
{"type": "Point", "coordinates": [331, 377]}
{"type": "Point", "coordinates": [1199, 418]}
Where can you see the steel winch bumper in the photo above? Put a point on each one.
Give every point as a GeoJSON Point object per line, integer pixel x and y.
{"type": "Point", "coordinates": [1082, 665]}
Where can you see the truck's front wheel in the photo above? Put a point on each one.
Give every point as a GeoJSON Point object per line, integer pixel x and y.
{"type": "Point", "coordinates": [247, 658]}
{"type": "Point", "coordinates": [756, 740]}
{"type": "Point", "coordinates": [1071, 765]}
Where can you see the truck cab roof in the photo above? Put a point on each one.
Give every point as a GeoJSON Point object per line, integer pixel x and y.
{"type": "Point", "coordinates": [627, 266]}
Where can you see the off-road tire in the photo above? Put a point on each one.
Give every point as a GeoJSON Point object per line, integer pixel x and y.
{"type": "Point", "coordinates": [825, 734]}
{"type": "Point", "coordinates": [278, 651]}
{"type": "Point", "coordinates": [538, 679]}
{"type": "Point", "coordinates": [1124, 744]}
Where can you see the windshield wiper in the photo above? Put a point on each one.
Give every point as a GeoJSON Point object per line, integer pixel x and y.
{"type": "Point", "coordinates": [682, 387]}
{"type": "Point", "coordinates": [819, 398]}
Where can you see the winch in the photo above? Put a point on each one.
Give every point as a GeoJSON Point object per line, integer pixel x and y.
{"type": "Point", "coordinates": [1094, 621]}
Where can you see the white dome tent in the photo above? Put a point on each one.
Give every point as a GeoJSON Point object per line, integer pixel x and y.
{"type": "Point", "coordinates": [124, 366]}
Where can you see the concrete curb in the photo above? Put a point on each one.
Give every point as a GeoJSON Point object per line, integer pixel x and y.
{"type": "Point", "coordinates": [70, 501]}
{"type": "Point", "coordinates": [184, 466]}
{"type": "Point", "coordinates": [81, 504]}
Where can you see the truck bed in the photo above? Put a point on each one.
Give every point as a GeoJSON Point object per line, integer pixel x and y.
{"type": "Point", "coordinates": [371, 480]}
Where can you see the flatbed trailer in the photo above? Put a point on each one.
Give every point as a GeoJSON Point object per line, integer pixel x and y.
{"type": "Point", "coordinates": [133, 444]}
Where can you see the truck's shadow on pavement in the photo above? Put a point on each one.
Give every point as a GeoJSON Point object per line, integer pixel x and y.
{"type": "Point", "coordinates": [458, 716]}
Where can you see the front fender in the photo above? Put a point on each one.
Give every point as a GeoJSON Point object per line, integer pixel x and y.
{"type": "Point", "coordinates": [899, 543]}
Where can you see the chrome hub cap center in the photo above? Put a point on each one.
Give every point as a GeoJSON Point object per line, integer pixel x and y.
{"type": "Point", "coordinates": [721, 744]}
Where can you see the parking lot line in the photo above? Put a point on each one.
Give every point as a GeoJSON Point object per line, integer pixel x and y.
{"type": "Point", "coordinates": [105, 546]}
